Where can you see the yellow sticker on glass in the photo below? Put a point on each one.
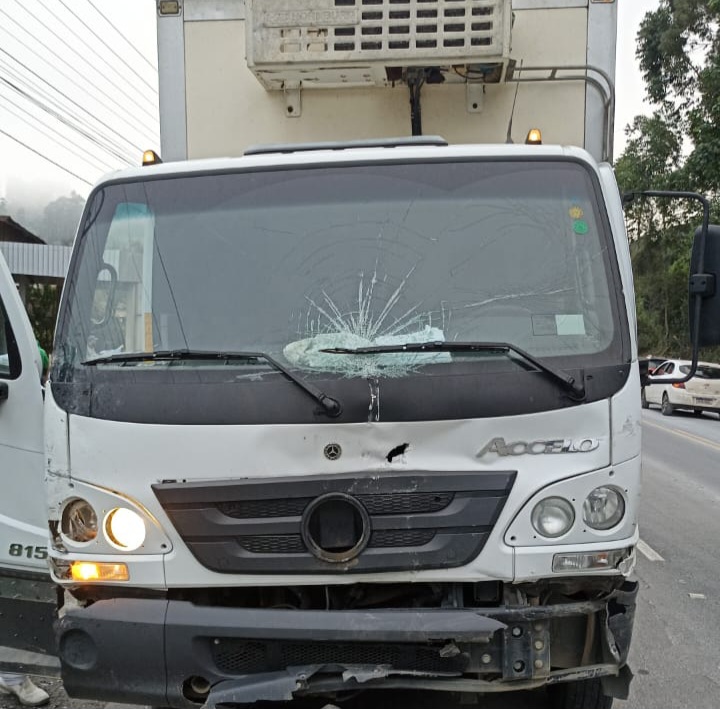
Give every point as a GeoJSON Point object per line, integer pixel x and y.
{"type": "Point", "coordinates": [576, 212]}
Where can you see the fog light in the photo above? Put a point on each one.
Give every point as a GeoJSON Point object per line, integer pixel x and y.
{"type": "Point", "coordinates": [552, 517]}
{"type": "Point", "coordinates": [603, 508]}
{"type": "Point", "coordinates": [124, 529]}
{"type": "Point", "coordinates": [93, 571]}
{"type": "Point", "coordinates": [79, 521]}
{"type": "Point", "coordinates": [591, 561]}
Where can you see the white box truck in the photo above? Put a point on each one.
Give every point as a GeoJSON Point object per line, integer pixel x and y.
{"type": "Point", "coordinates": [350, 411]}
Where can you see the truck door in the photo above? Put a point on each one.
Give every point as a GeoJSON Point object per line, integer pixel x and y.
{"type": "Point", "coordinates": [23, 521]}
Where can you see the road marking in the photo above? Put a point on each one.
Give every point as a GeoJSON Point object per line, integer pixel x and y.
{"type": "Point", "coordinates": [684, 434]}
{"type": "Point", "coordinates": [697, 596]}
{"type": "Point", "coordinates": [648, 552]}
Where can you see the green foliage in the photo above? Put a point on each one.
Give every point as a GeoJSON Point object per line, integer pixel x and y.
{"type": "Point", "coordinates": [42, 307]}
{"type": "Point", "coordinates": [678, 147]}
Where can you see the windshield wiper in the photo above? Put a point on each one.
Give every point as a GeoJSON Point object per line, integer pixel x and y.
{"type": "Point", "coordinates": [569, 382]}
{"type": "Point", "coordinates": [331, 406]}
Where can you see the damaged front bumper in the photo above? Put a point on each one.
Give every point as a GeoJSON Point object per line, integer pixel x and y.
{"type": "Point", "coordinates": [158, 651]}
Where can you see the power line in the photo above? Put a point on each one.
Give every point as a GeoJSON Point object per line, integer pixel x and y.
{"type": "Point", "coordinates": [62, 73]}
{"type": "Point", "coordinates": [137, 125]}
{"type": "Point", "coordinates": [70, 99]}
{"type": "Point", "coordinates": [80, 35]}
{"type": "Point", "coordinates": [93, 159]}
{"type": "Point", "coordinates": [83, 59]}
{"type": "Point", "coordinates": [130, 44]}
{"type": "Point", "coordinates": [45, 157]}
{"type": "Point", "coordinates": [100, 39]}
{"type": "Point", "coordinates": [27, 84]}
{"type": "Point", "coordinates": [61, 118]}
{"type": "Point", "coordinates": [110, 144]}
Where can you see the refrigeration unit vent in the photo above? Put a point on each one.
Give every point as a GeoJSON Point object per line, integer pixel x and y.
{"type": "Point", "coordinates": [333, 43]}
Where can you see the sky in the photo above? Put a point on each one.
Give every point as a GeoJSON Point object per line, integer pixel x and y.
{"type": "Point", "coordinates": [101, 56]}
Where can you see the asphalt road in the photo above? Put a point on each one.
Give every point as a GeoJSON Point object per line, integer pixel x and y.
{"type": "Point", "coordinates": [676, 648]}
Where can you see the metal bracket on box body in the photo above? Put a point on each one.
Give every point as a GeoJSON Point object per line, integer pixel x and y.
{"type": "Point", "coordinates": [293, 99]}
{"type": "Point", "coordinates": [474, 96]}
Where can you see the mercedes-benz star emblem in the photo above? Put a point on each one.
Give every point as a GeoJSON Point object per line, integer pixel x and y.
{"type": "Point", "coordinates": [333, 451]}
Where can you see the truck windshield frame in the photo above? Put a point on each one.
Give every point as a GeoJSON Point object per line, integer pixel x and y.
{"type": "Point", "coordinates": [352, 254]}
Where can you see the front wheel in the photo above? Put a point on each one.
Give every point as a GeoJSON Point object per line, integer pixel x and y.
{"type": "Point", "coordinates": [579, 695]}
{"type": "Point", "coordinates": [698, 413]}
{"type": "Point", "coordinates": [643, 399]}
{"type": "Point", "coordinates": [666, 408]}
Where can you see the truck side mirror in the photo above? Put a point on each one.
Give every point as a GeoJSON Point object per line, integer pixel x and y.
{"type": "Point", "coordinates": [704, 274]}
{"type": "Point", "coordinates": [704, 280]}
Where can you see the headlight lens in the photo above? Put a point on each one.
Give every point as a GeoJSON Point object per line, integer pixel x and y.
{"type": "Point", "coordinates": [124, 529]}
{"type": "Point", "coordinates": [552, 517]}
{"type": "Point", "coordinates": [79, 521]}
{"type": "Point", "coordinates": [603, 508]}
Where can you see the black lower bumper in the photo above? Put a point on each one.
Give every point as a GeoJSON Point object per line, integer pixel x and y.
{"type": "Point", "coordinates": [155, 651]}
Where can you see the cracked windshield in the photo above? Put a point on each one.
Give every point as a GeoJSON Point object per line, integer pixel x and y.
{"type": "Point", "coordinates": [346, 257]}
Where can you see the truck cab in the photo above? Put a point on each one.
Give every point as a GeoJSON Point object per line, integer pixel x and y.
{"type": "Point", "coordinates": [345, 417]}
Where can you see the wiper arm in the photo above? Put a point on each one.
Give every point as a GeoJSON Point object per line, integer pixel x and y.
{"type": "Point", "coordinates": [331, 406]}
{"type": "Point", "coordinates": [569, 382]}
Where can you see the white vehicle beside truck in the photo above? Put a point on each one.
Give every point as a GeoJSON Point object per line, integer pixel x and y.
{"type": "Point", "coordinates": [328, 417]}
{"type": "Point", "coordinates": [699, 394]}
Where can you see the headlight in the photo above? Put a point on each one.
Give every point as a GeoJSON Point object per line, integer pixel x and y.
{"type": "Point", "coordinates": [124, 529]}
{"type": "Point", "coordinates": [552, 517]}
{"type": "Point", "coordinates": [603, 508]}
{"type": "Point", "coordinates": [79, 521]}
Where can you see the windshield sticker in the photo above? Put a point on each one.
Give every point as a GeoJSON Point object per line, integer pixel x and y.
{"type": "Point", "coordinates": [565, 324]}
{"type": "Point", "coordinates": [576, 212]}
{"type": "Point", "coordinates": [580, 227]}
{"type": "Point", "coordinates": [570, 324]}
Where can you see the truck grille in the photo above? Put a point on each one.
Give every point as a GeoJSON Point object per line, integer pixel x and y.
{"type": "Point", "coordinates": [388, 504]}
{"type": "Point", "coordinates": [370, 522]}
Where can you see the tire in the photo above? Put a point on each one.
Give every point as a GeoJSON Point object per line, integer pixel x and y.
{"type": "Point", "coordinates": [697, 413]}
{"type": "Point", "coordinates": [579, 695]}
{"type": "Point", "coordinates": [666, 408]}
{"type": "Point", "coordinates": [643, 400]}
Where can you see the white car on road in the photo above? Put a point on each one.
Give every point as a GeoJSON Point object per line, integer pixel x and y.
{"type": "Point", "coordinates": [701, 393]}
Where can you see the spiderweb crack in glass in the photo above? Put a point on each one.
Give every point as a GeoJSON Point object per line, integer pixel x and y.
{"type": "Point", "coordinates": [361, 326]}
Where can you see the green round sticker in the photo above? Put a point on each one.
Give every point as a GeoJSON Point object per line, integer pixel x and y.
{"type": "Point", "coordinates": [580, 226]}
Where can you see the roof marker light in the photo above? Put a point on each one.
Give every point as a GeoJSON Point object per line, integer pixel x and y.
{"type": "Point", "coordinates": [150, 157]}
{"type": "Point", "coordinates": [534, 137]}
